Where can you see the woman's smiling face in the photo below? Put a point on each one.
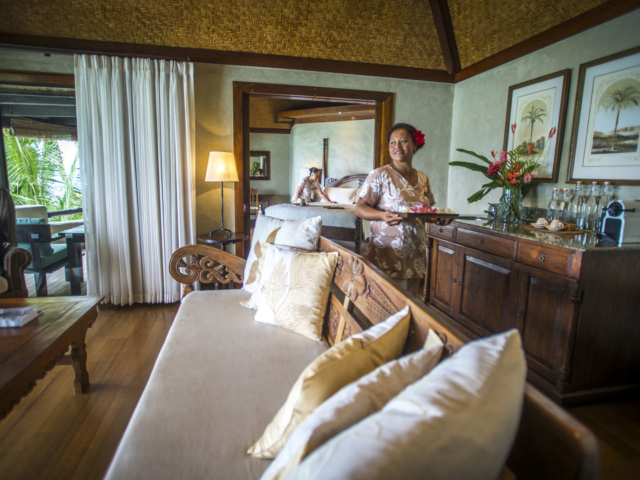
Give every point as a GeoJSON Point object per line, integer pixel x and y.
{"type": "Point", "coordinates": [401, 146]}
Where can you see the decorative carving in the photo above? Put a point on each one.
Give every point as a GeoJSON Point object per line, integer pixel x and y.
{"type": "Point", "coordinates": [336, 182]}
{"type": "Point", "coordinates": [357, 284]}
{"type": "Point", "coordinates": [332, 323]}
{"type": "Point", "coordinates": [380, 301]}
{"type": "Point", "coordinates": [347, 331]}
{"type": "Point", "coordinates": [339, 265]}
{"type": "Point", "coordinates": [207, 264]}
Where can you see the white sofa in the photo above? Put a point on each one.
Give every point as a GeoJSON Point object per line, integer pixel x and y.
{"type": "Point", "coordinates": [221, 376]}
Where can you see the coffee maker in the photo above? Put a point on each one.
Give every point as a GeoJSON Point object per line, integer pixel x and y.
{"type": "Point", "coordinates": [621, 222]}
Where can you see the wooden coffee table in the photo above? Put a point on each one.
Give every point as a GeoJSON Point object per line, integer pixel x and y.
{"type": "Point", "coordinates": [28, 353]}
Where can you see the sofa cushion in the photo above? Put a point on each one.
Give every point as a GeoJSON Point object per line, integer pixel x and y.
{"type": "Point", "coordinates": [32, 211]}
{"type": "Point", "coordinates": [344, 363]}
{"type": "Point", "coordinates": [218, 380]}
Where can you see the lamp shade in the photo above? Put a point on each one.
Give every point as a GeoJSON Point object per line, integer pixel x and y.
{"type": "Point", "coordinates": [221, 168]}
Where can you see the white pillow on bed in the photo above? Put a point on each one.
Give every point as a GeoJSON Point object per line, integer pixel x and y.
{"type": "Point", "coordinates": [340, 194]}
{"type": "Point", "coordinates": [352, 403]}
{"type": "Point", "coordinates": [303, 234]}
{"type": "Point", "coordinates": [457, 422]}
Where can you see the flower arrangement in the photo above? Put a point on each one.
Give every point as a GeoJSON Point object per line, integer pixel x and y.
{"type": "Point", "coordinates": [511, 169]}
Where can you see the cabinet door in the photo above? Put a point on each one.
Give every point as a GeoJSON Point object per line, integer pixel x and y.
{"type": "Point", "coordinates": [546, 319]}
{"type": "Point", "coordinates": [443, 281]}
{"type": "Point", "coordinates": [486, 299]}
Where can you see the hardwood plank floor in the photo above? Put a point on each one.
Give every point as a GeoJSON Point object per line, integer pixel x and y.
{"type": "Point", "coordinates": [52, 434]}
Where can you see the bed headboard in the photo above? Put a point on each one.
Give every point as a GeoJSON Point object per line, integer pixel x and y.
{"type": "Point", "coordinates": [336, 182]}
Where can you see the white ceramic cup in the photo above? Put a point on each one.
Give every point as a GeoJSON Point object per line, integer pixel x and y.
{"type": "Point", "coordinates": [542, 221]}
{"type": "Point", "coordinates": [557, 224]}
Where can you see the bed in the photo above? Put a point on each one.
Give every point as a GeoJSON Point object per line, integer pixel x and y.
{"type": "Point", "coordinates": [337, 224]}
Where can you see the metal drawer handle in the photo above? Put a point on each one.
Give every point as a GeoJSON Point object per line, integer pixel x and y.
{"type": "Point", "coordinates": [481, 241]}
{"type": "Point", "coordinates": [454, 280]}
{"type": "Point", "coordinates": [441, 230]}
{"type": "Point", "coordinates": [519, 312]}
{"type": "Point", "coordinates": [541, 257]}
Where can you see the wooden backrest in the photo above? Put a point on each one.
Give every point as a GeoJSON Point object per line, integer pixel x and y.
{"type": "Point", "coordinates": [253, 197]}
{"type": "Point", "coordinates": [40, 233]}
{"type": "Point", "coordinates": [550, 443]}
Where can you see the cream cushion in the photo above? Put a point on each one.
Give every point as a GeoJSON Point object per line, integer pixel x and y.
{"type": "Point", "coordinates": [340, 365]}
{"type": "Point", "coordinates": [340, 194]}
{"type": "Point", "coordinates": [303, 234]}
{"type": "Point", "coordinates": [352, 403]}
{"type": "Point", "coordinates": [294, 289]}
{"type": "Point", "coordinates": [215, 385]}
{"type": "Point", "coordinates": [457, 422]}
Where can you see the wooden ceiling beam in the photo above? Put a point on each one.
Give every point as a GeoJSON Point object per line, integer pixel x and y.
{"type": "Point", "coordinates": [202, 55]}
{"type": "Point", "coordinates": [331, 112]}
{"type": "Point", "coordinates": [585, 21]}
{"type": "Point", "coordinates": [444, 26]}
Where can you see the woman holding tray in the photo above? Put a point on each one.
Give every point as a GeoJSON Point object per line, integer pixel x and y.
{"type": "Point", "coordinates": [397, 246]}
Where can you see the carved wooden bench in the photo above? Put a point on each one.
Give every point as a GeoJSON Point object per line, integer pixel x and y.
{"type": "Point", "coordinates": [550, 443]}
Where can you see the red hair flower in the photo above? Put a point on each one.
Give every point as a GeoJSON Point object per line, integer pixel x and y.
{"type": "Point", "coordinates": [419, 138]}
{"type": "Point", "coordinates": [513, 128]}
{"type": "Point", "coordinates": [552, 132]}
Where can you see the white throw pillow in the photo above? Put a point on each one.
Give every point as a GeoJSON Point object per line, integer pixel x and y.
{"type": "Point", "coordinates": [340, 195]}
{"type": "Point", "coordinates": [303, 234]}
{"type": "Point", "coordinates": [352, 403]}
{"type": "Point", "coordinates": [294, 289]}
{"type": "Point", "coordinates": [457, 422]}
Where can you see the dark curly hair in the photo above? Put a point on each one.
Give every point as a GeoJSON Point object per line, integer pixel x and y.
{"type": "Point", "coordinates": [409, 128]}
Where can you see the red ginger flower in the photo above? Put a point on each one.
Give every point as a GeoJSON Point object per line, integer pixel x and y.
{"type": "Point", "coordinates": [419, 138]}
{"type": "Point", "coordinates": [552, 132]}
{"type": "Point", "coordinates": [494, 167]}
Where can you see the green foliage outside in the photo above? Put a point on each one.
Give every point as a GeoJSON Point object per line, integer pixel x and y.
{"type": "Point", "coordinates": [37, 175]}
{"type": "Point", "coordinates": [253, 171]}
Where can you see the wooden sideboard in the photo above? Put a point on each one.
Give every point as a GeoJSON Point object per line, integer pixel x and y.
{"type": "Point", "coordinates": [575, 303]}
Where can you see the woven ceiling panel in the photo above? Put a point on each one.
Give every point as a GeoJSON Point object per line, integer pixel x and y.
{"type": "Point", "coordinates": [371, 31]}
{"type": "Point", "coordinates": [483, 28]}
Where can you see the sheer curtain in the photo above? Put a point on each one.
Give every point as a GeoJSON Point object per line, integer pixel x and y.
{"type": "Point", "coordinates": [136, 137]}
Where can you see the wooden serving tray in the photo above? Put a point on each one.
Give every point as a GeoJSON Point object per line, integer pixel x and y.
{"type": "Point", "coordinates": [431, 216]}
{"type": "Point", "coordinates": [558, 232]}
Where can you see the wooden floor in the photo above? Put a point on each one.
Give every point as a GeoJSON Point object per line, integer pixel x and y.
{"type": "Point", "coordinates": [52, 434]}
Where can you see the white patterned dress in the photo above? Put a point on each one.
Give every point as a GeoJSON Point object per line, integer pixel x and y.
{"type": "Point", "coordinates": [309, 189]}
{"type": "Point", "coordinates": [398, 250]}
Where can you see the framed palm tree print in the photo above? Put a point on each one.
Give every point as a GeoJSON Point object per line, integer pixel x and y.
{"type": "Point", "coordinates": [534, 108]}
{"type": "Point", "coordinates": [606, 122]}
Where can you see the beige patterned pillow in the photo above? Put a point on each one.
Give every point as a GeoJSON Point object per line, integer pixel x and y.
{"type": "Point", "coordinates": [294, 289]}
{"type": "Point", "coordinates": [303, 234]}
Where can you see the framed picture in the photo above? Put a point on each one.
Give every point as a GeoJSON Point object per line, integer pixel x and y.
{"type": "Point", "coordinates": [259, 165]}
{"type": "Point", "coordinates": [606, 123]}
{"type": "Point", "coordinates": [535, 107]}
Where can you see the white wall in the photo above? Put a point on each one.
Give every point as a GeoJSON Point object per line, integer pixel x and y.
{"type": "Point", "coordinates": [480, 107]}
{"type": "Point", "coordinates": [350, 148]}
{"type": "Point", "coordinates": [426, 105]}
{"type": "Point", "coordinates": [279, 145]}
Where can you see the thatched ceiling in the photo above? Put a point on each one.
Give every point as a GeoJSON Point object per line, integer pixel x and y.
{"type": "Point", "coordinates": [401, 33]}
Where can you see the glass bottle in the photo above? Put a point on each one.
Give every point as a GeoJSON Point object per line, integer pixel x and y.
{"type": "Point", "coordinates": [590, 208]}
{"type": "Point", "coordinates": [573, 213]}
{"type": "Point", "coordinates": [603, 202]}
{"type": "Point", "coordinates": [552, 208]}
{"type": "Point", "coordinates": [563, 204]}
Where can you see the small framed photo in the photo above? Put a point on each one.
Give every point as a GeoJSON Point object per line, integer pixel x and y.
{"type": "Point", "coordinates": [535, 107]}
{"type": "Point", "coordinates": [606, 122]}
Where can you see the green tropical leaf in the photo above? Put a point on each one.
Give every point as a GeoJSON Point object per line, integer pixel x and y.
{"type": "Point", "coordinates": [469, 152]}
{"type": "Point", "coordinates": [479, 195]}
{"type": "Point", "coordinates": [471, 166]}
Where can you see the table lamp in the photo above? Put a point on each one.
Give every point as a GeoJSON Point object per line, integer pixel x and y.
{"type": "Point", "coordinates": [221, 168]}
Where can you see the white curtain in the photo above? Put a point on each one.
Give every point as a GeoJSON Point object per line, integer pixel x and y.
{"type": "Point", "coordinates": [136, 137]}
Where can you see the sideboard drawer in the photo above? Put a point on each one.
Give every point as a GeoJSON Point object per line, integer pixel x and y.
{"type": "Point", "coordinates": [446, 233]}
{"type": "Point", "coordinates": [502, 247]}
{"type": "Point", "coordinates": [556, 261]}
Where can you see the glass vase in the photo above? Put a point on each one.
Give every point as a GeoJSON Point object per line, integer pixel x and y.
{"type": "Point", "coordinates": [510, 207]}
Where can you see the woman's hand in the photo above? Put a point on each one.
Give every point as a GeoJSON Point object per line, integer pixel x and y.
{"type": "Point", "coordinates": [390, 218]}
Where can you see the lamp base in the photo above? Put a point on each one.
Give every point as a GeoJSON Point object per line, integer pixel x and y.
{"type": "Point", "coordinates": [228, 232]}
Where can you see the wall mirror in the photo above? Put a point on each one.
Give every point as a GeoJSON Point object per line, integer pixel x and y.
{"type": "Point", "coordinates": [259, 165]}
